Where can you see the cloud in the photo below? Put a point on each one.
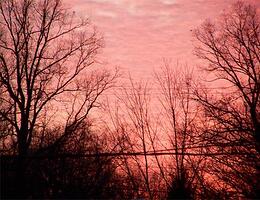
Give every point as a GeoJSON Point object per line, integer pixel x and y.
{"type": "Point", "coordinates": [139, 33]}
{"type": "Point", "coordinates": [106, 13]}
{"type": "Point", "coordinates": [168, 2]}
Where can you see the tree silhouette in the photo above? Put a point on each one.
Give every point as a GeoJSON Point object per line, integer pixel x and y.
{"type": "Point", "coordinates": [181, 124]}
{"type": "Point", "coordinates": [65, 172]}
{"type": "Point", "coordinates": [231, 48]}
{"type": "Point", "coordinates": [45, 54]}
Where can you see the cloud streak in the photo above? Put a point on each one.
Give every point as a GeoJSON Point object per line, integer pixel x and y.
{"type": "Point", "coordinates": [139, 33]}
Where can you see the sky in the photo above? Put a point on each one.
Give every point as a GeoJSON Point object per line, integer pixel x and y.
{"type": "Point", "coordinates": [140, 34]}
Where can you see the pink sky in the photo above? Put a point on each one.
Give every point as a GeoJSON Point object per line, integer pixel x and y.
{"type": "Point", "coordinates": [139, 34]}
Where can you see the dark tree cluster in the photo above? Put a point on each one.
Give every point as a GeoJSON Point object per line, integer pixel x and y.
{"type": "Point", "coordinates": [61, 172]}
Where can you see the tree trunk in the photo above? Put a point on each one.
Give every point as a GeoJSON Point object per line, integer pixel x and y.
{"type": "Point", "coordinates": [21, 163]}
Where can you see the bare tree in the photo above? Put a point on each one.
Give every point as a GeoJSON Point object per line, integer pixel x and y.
{"type": "Point", "coordinates": [135, 101]}
{"type": "Point", "coordinates": [133, 130]}
{"type": "Point", "coordinates": [231, 48]}
{"type": "Point", "coordinates": [180, 123]}
{"type": "Point", "coordinates": [45, 53]}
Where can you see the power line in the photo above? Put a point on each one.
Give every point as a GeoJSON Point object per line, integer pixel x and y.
{"type": "Point", "coordinates": [118, 154]}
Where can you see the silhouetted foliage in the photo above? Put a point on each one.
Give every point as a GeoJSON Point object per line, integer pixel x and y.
{"type": "Point", "coordinates": [181, 187]}
{"type": "Point", "coordinates": [64, 172]}
{"type": "Point", "coordinates": [231, 48]}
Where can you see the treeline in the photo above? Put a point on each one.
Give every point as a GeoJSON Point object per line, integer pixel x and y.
{"type": "Point", "coordinates": [177, 137]}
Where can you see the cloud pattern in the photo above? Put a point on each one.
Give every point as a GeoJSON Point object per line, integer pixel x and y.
{"type": "Point", "coordinates": [140, 33]}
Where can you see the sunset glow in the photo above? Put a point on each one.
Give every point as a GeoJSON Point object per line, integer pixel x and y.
{"type": "Point", "coordinates": [139, 34]}
{"type": "Point", "coordinates": [130, 99]}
